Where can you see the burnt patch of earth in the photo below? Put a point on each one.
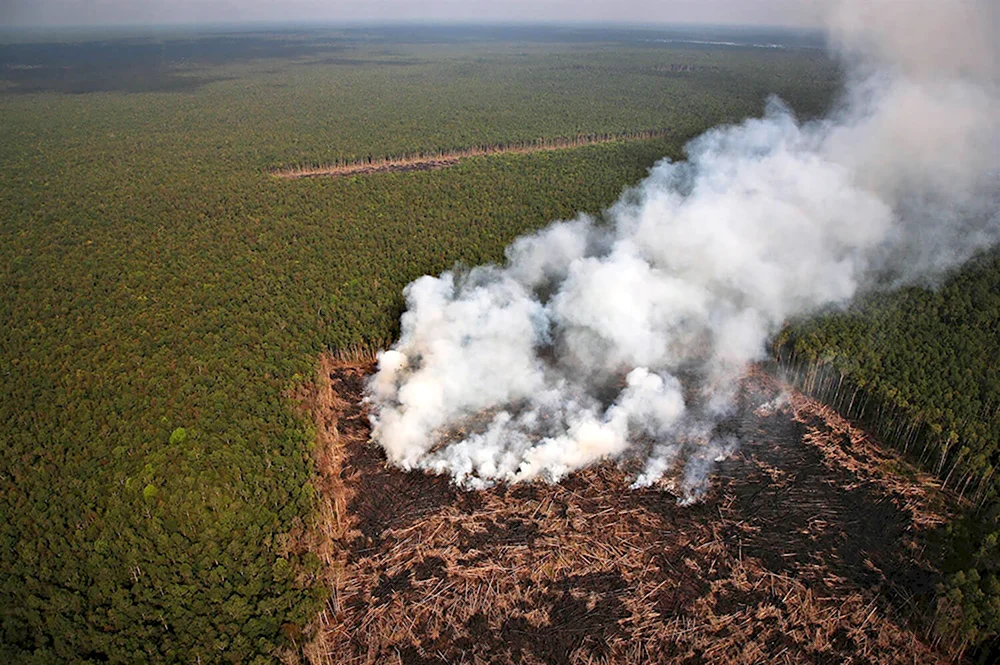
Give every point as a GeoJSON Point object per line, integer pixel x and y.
{"type": "Point", "coordinates": [803, 551]}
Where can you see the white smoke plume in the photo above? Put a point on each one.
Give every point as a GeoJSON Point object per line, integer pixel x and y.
{"type": "Point", "coordinates": [622, 338]}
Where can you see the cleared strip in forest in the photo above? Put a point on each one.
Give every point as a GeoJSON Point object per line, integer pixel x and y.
{"type": "Point", "coordinates": [439, 160]}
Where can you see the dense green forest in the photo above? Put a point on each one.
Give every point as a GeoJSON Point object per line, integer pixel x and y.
{"type": "Point", "coordinates": [920, 367]}
{"type": "Point", "coordinates": [163, 292]}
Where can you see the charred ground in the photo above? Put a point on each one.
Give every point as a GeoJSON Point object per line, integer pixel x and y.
{"type": "Point", "coordinates": [809, 547]}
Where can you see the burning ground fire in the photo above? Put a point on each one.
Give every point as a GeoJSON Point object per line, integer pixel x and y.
{"type": "Point", "coordinates": [803, 549]}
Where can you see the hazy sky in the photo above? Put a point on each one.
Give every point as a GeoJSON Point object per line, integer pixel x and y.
{"type": "Point", "coordinates": [119, 12]}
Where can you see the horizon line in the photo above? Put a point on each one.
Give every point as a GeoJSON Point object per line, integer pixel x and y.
{"type": "Point", "coordinates": [326, 24]}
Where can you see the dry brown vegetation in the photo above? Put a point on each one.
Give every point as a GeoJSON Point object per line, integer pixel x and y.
{"type": "Point", "coordinates": [439, 160]}
{"type": "Point", "coordinates": [807, 549]}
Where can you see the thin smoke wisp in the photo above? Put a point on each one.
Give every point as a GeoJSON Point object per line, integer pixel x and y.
{"type": "Point", "coordinates": [624, 337]}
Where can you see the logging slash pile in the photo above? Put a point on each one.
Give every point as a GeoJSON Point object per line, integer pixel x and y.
{"type": "Point", "coordinates": [808, 547]}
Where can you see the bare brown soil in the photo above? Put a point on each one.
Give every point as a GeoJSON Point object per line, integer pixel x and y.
{"type": "Point", "coordinates": [807, 549]}
{"type": "Point", "coordinates": [440, 160]}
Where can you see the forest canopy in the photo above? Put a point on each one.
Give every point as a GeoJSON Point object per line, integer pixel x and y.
{"type": "Point", "coordinates": [163, 294]}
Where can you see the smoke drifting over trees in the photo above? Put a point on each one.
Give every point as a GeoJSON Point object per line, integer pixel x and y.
{"type": "Point", "coordinates": [623, 337]}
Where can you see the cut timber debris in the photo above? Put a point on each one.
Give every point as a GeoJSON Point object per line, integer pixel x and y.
{"type": "Point", "coordinates": [807, 549]}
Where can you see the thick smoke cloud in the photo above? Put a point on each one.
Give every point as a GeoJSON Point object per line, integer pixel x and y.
{"type": "Point", "coordinates": [623, 337]}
